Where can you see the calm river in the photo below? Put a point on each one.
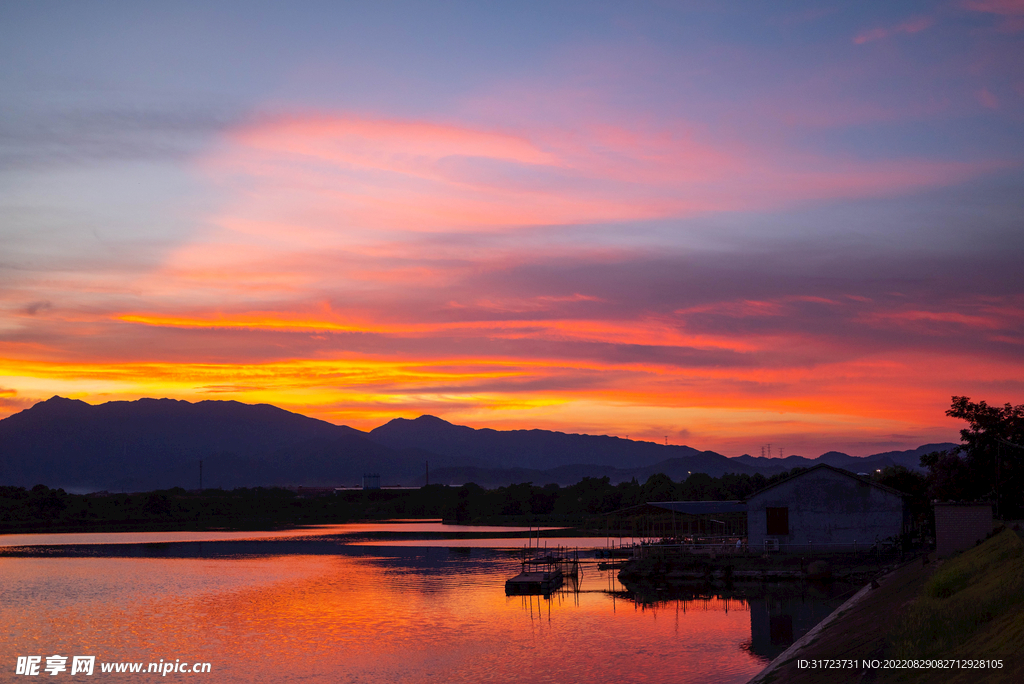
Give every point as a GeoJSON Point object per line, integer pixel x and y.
{"type": "Point", "coordinates": [365, 603]}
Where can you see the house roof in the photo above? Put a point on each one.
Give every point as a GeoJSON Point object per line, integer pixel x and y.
{"type": "Point", "coordinates": [820, 466]}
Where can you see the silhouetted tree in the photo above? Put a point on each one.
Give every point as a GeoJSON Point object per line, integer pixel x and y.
{"type": "Point", "coordinates": [517, 499]}
{"type": "Point", "coordinates": [659, 487]}
{"type": "Point", "coordinates": [990, 462]}
{"type": "Point", "coordinates": [911, 483]}
{"type": "Point", "coordinates": [699, 487]}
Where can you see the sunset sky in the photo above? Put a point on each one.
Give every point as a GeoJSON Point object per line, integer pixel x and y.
{"type": "Point", "coordinates": [720, 224]}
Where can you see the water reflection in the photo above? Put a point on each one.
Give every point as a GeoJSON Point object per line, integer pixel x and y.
{"type": "Point", "coordinates": [362, 614]}
{"type": "Point", "coordinates": [417, 528]}
{"type": "Point", "coordinates": [783, 615]}
{"type": "Point", "coordinates": [780, 613]}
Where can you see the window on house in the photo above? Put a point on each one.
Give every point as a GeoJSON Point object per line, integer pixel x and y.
{"type": "Point", "coordinates": [778, 520]}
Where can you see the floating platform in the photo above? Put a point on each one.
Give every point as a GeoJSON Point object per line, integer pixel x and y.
{"type": "Point", "coordinates": [534, 583]}
{"type": "Point", "coordinates": [544, 572]}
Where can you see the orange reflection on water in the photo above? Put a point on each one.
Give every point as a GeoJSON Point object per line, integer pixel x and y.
{"type": "Point", "coordinates": [414, 617]}
{"type": "Point", "coordinates": [345, 529]}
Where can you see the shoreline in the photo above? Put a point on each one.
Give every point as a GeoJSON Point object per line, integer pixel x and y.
{"type": "Point", "coordinates": [790, 653]}
{"type": "Point", "coordinates": [902, 610]}
{"type": "Point", "coordinates": [854, 631]}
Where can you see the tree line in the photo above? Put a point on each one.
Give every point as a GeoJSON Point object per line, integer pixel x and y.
{"type": "Point", "coordinates": [44, 508]}
{"type": "Point", "coordinates": [987, 466]}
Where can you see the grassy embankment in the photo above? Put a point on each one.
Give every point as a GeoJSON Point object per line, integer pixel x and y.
{"type": "Point", "coordinates": [971, 607]}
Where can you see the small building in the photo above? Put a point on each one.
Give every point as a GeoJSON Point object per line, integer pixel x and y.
{"type": "Point", "coordinates": [679, 520]}
{"type": "Point", "coordinates": [824, 508]}
{"type": "Point", "coordinates": [959, 526]}
{"type": "Point", "coordinates": [706, 518]}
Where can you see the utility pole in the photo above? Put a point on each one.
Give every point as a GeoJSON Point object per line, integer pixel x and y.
{"type": "Point", "coordinates": [200, 476]}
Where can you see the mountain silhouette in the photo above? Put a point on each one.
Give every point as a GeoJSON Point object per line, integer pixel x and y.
{"type": "Point", "coordinates": [910, 458]}
{"type": "Point", "coordinates": [532, 449]}
{"type": "Point", "coordinates": [159, 443]}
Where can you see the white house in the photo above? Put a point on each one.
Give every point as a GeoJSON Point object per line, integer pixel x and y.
{"type": "Point", "coordinates": [824, 506]}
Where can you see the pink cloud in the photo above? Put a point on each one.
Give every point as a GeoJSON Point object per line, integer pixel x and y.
{"type": "Point", "coordinates": [420, 176]}
{"type": "Point", "coordinates": [374, 207]}
{"type": "Point", "coordinates": [323, 179]}
{"type": "Point", "coordinates": [911, 26]}
{"type": "Point", "coordinates": [1002, 7]}
{"type": "Point", "coordinates": [1010, 11]}
{"type": "Point", "coordinates": [987, 99]}
{"type": "Point", "coordinates": [412, 147]}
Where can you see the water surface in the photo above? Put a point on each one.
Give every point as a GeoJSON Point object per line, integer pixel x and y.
{"type": "Point", "coordinates": [356, 613]}
{"type": "Point", "coordinates": [412, 527]}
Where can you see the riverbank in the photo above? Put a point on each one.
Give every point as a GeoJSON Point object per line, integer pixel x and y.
{"type": "Point", "coordinates": [666, 568]}
{"type": "Point", "coordinates": [968, 607]}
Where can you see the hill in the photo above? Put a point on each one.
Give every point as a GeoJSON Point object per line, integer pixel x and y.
{"type": "Point", "coordinates": [159, 443]}
{"type": "Point", "coordinates": [910, 458]}
{"type": "Point", "coordinates": [522, 448]}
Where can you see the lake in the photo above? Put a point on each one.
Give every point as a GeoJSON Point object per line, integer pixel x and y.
{"type": "Point", "coordinates": [369, 603]}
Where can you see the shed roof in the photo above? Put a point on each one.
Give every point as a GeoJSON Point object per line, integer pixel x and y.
{"type": "Point", "coordinates": [686, 507]}
{"type": "Point", "coordinates": [820, 466]}
{"type": "Point", "coordinates": [702, 507]}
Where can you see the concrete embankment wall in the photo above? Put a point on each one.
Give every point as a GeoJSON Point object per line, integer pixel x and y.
{"type": "Point", "coordinates": [968, 607]}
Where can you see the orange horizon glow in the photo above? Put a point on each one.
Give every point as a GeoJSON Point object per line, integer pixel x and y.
{"type": "Point", "coordinates": [642, 401]}
{"type": "Point", "coordinates": [358, 269]}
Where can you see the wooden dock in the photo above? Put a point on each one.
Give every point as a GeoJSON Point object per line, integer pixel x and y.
{"type": "Point", "coordinates": [534, 583]}
{"type": "Point", "coordinates": [544, 572]}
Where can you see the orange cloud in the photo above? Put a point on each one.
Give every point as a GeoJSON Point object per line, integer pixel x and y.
{"type": "Point", "coordinates": [722, 408]}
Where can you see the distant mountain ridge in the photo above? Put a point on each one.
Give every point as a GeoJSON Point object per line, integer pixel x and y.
{"type": "Point", "coordinates": [521, 448]}
{"type": "Point", "coordinates": [910, 458]}
{"type": "Point", "coordinates": [159, 443]}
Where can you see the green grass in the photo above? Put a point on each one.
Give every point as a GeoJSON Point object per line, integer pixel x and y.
{"type": "Point", "coordinates": [972, 607]}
